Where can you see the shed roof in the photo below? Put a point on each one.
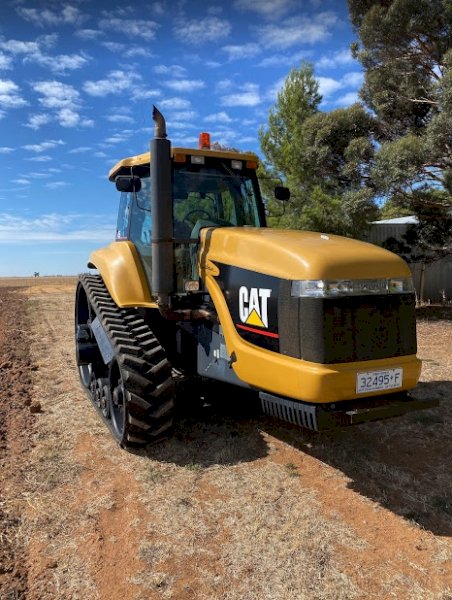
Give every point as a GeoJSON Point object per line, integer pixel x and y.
{"type": "Point", "coordinates": [409, 220]}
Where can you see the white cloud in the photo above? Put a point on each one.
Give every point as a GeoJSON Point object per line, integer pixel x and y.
{"type": "Point", "coordinates": [43, 146]}
{"type": "Point", "coordinates": [347, 99]}
{"type": "Point", "coordinates": [21, 181]}
{"type": "Point", "coordinates": [55, 94]}
{"type": "Point", "coordinates": [17, 47]}
{"type": "Point", "coordinates": [328, 86]}
{"type": "Point", "coordinates": [68, 117]}
{"type": "Point", "coordinates": [114, 46]}
{"type": "Point", "coordinates": [159, 8]}
{"type": "Point", "coordinates": [353, 79]}
{"type": "Point", "coordinates": [213, 64]}
{"type": "Point", "coordinates": [274, 90]}
{"type": "Point", "coordinates": [185, 115]}
{"type": "Point", "coordinates": [119, 119]}
{"type": "Point", "coordinates": [89, 34]}
{"type": "Point", "coordinates": [60, 63]}
{"type": "Point", "coordinates": [271, 9]}
{"type": "Point", "coordinates": [242, 51]}
{"type": "Point", "coordinates": [42, 158]}
{"type": "Point", "coordinates": [219, 117]}
{"type": "Point", "coordinates": [249, 122]}
{"type": "Point", "coordinates": [184, 85]}
{"type": "Point", "coordinates": [117, 82]}
{"type": "Point", "coordinates": [68, 15]}
{"type": "Point", "coordinates": [130, 27]}
{"type": "Point", "coordinates": [172, 125]}
{"type": "Point", "coordinates": [118, 137]}
{"type": "Point", "coordinates": [225, 136]}
{"type": "Point", "coordinates": [34, 52]}
{"type": "Point", "coordinates": [38, 175]}
{"type": "Point", "coordinates": [63, 99]}
{"type": "Point", "coordinates": [38, 120]}
{"type": "Point", "coordinates": [6, 150]}
{"type": "Point", "coordinates": [247, 96]}
{"type": "Point", "coordinates": [175, 103]}
{"type": "Point", "coordinates": [80, 150]}
{"type": "Point", "coordinates": [5, 62]}
{"type": "Point", "coordinates": [185, 141]}
{"type": "Point", "coordinates": [9, 95]}
{"type": "Point", "coordinates": [223, 85]}
{"type": "Point", "coordinates": [141, 93]}
{"type": "Point", "coordinates": [171, 71]}
{"type": "Point", "coordinates": [297, 30]}
{"type": "Point", "coordinates": [54, 227]}
{"type": "Point", "coordinates": [56, 185]}
{"type": "Point", "coordinates": [138, 51]}
{"type": "Point", "coordinates": [341, 57]}
{"type": "Point", "coordinates": [279, 60]}
{"type": "Point", "coordinates": [215, 10]}
{"type": "Point", "coordinates": [201, 31]}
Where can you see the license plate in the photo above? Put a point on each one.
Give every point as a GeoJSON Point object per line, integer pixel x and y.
{"type": "Point", "coordinates": [374, 381]}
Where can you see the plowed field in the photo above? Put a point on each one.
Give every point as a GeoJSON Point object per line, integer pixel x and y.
{"type": "Point", "coordinates": [235, 506]}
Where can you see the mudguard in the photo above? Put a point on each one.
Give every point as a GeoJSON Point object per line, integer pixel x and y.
{"type": "Point", "coordinates": [122, 272]}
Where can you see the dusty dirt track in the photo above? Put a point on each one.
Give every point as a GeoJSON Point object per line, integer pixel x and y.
{"type": "Point", "coordinates": [234, 507]}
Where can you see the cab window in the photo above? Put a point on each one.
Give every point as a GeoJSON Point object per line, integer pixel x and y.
{"type": "Point", "coordinates": [122, 227]}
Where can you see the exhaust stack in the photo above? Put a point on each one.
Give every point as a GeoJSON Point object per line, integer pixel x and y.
{"type": "Point", "coordinates": [162, 227]}
{"type": "Point", "coordinates": [161, 211]}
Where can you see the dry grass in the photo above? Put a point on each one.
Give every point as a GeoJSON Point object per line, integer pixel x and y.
{"type": "Point", "coordinates": [234, 508]}
{"type": "Point", "coordinates": [37, 281]}
{"type": "Point", "coordinates": [245, 532]}
{"type": "Point", "coordinates": [54, 471]}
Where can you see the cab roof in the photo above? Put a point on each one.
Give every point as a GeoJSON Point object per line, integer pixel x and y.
{"type": "Point", "coordinates": [143, 160]}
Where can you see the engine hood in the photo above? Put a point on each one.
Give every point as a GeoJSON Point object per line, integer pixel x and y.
{"type": "Point", "coordinates": [290, 254]}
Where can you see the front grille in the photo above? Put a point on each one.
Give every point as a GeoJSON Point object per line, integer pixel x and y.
{"type": "Point", "coordinates": [349, 329]}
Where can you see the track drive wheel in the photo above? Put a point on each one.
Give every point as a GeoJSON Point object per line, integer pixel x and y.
{"type": "Point", "coordinates": [134, 390]}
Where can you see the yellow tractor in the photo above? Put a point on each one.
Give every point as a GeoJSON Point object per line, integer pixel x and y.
{"type": "Point", "coordinates": [196, 286]}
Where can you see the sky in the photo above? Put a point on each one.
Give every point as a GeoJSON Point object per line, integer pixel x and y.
{"type": "Point", "coordinates": [78, 80]}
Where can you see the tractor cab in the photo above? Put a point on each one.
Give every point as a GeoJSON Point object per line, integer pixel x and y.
{"type": "Point", "coordinates": [209, 188]}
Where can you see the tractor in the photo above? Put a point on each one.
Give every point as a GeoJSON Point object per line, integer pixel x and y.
{"type": "Point", "coordinates": [196, 287]}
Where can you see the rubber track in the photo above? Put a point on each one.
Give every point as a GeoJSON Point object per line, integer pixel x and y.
{"type": "Point", "coordinates": [145, 370]}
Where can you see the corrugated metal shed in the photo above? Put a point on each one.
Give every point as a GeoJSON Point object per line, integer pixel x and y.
{"type": "Point", "coordinates": [437, 275]}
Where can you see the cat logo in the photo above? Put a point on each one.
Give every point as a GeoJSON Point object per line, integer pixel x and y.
{"type": "Point", "coordinates": [253, 306]}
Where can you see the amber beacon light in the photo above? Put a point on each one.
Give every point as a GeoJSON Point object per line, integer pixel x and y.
{"type": "Point", "coordinates": [204, 141]}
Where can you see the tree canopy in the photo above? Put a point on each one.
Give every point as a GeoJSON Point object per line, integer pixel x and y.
{"type": "Point", "coordinates": [406, 51]}
{"type": "Point", "coordinates": [323, 157]}
{"type": "Point", "coordinates": [392, 148]}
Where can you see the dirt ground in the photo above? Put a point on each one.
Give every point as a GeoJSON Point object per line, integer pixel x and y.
{"type": "Point", "coordinates": [236, 506]}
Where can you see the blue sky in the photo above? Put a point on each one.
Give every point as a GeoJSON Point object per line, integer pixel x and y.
{"type": "Point", "coordinates": [77, 84]}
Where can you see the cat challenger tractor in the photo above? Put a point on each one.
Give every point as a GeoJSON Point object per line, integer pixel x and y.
{"type": "Point", "coordinates": [195, 286]}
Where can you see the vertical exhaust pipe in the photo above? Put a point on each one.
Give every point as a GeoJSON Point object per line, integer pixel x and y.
{"type": "Point", "coordinates": [162, 212]}
{"type": "Point", "coordinates": [162, 227]}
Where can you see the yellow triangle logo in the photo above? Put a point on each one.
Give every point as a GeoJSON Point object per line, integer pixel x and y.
{"type": "Point", "coordinates": [254, 319]}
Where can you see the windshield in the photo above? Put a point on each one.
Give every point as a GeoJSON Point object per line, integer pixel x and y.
{"type": "Point", "coordinates": [216, 197]}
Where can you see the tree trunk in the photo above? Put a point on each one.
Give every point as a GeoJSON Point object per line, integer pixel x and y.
{"type": "Point", "coordinates": [421, 283]}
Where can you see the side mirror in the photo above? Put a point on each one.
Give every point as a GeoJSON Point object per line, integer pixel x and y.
{"type": "Point", "coordinates": [128, 184]}
{"type": "Point", "coordinates": [282, 193]}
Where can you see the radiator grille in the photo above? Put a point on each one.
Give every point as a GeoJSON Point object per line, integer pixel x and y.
{"type": "Point", "coordinates": [338, 330]}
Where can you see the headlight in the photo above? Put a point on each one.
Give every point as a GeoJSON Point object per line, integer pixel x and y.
{"type": "Point", "coordinates": [327, 288]}
{"type": "Point", "coordinates": [401, 285]}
